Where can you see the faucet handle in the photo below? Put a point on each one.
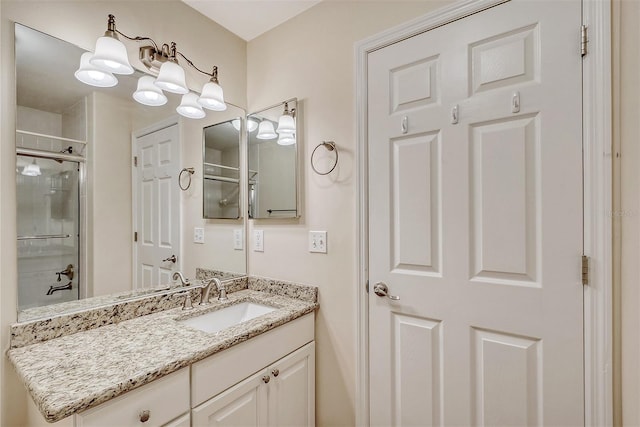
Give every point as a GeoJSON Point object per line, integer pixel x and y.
{"type": "Point", "coordinates": [188, 304]}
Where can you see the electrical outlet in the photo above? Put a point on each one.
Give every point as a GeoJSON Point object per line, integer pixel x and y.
{"type": "Point", "coordinates": [258, 240]}
{"type": "Point", "coordinates": [198, 235]}
{"type": "Point", "coordinates": [318, 241]}
{"type": "Point", "coordinates": [237, 239]}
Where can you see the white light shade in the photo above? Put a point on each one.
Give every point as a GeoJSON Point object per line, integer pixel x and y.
{"type": "Point", "coordinates": [171, 78]}
{"type": "Point", "coordinates": [265, 130]}
{"type": "Point", "coordinates": [32, 169]}
{"type": "Point", "coordinates": [93, 76]}
{"type": "Point", "coordinates": [286, 124]}
{"type": "Point", "coordinates": [251, 124]}
{"type": "Point", "coordinates": [190, 108]}
{"type": "Point", "coordinates": [287, 139]}
{"type": "Point", "coordinates": [148, 93]}
{"type": "Point", "coordinates": [212, 97]}
{"type": "Point", "coordinates": [111, 56]}
{"type": "Point", "coordinates": [236, 124]}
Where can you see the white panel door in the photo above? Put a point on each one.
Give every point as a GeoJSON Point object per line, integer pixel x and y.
{"type": "Point", "coordinates": [475, 221]}
{"type": "Point", "coordinates": [158, 206]}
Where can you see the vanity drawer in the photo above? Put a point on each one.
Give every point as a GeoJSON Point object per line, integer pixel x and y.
{"type": "Point", "coordinates": [165, 399]}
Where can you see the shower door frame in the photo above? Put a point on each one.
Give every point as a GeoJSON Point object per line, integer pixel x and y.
{"type": "Point", "coordinates": [82, 208]}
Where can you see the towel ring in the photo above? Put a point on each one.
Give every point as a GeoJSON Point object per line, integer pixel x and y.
{"type": "Point", "coordinates": [190, 172]}
{"type": "Point", "coordinates": [330, 146]}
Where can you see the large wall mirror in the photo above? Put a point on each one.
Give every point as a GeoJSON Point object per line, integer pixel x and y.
{"type": "Point", "coordinates": [273, 162]}
{"type": "Point", "coordinates": [76, 189]}
{"type": "Point", "coordinates": [221, 166]}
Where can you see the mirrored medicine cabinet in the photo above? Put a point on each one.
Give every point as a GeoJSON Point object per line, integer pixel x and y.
{"type": "Point", "coordinates": [273, 161]}
{"type": "Point", "coordinates": [221, 170]}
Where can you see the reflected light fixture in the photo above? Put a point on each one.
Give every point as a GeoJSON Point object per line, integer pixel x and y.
{"type": "Point", "coordinates": [148, 93]}
{"type": "Point", "coordinates": [287, 139]}
{"type": "Point", "coordinates": [111, 57]}
{"type": "Point", "coordinates": [32, 169]}
{"type": "Point", "coordinates": [286, 122]}
{"type": "Point", "coordinates": [189, 107]}
{"type": "Point", "coordinates": [251, 124]}
{"type": "Point", "coordinates": [92, 75]}
{"type": "Point", "coordinates": [265, 130]}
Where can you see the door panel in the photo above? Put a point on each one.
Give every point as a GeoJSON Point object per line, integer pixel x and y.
{"type": "Point", "coordinates": [158, 209]}
{"type": "Point", "coordinates": [475, 223]}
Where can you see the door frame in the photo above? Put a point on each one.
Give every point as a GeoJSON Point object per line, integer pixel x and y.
{"type": "Point", "coordinates": [135, 135]}
{"type": "Point", "coordinates": [597, 178]}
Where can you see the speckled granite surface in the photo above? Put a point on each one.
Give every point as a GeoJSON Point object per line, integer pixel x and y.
{"type": "Point", "coordinates": [120, 309]}
{"type": "Point", "coordinates": [279, 287]}
{"type": "Point", "coordinates": [75, 372]}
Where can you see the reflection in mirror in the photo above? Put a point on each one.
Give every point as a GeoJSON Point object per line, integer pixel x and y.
{"type": "Point", "coordinates": [273, 162]}
{"type": "Point", "coordinates": [221, 166]}
{"type": "Point", "coordinates": [75, 187]}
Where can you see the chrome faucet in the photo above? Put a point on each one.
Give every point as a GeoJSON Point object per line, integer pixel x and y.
{"type": "Point", "coordinates": [178, 275]}
{"type": "Point", "coordinates": [220, 286]}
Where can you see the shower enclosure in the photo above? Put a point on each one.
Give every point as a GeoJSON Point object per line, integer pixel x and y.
{"type": "Point", "coordinates": [48, 211]}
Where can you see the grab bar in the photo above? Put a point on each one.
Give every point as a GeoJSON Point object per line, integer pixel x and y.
{"type": "Point", "coordinates": [44, 237]}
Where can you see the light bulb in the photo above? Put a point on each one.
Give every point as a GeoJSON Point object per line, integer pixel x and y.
{"type": "Point", "coordinates": [189, 107]}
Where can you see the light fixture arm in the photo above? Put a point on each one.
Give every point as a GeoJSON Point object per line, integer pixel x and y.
{"type": "Point", "coordinates": [213, 74]}
{"type": "Point", "coordinates": [112, 31]}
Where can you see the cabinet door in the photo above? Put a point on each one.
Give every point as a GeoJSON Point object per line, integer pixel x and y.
{"type": "Point", "coordinates": [292, 389]}
{"type": "Point", "coordinates": [183, 421]}
{"type": "Point", "coordinates": [244, 404]}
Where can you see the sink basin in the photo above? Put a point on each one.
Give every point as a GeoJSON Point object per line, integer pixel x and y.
{"type": "Point", "coordinates": [229, 316]}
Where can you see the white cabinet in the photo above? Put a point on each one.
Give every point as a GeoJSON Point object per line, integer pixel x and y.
{"type": "Point", "coordinates": [154, 404]}
{"type": "Point", "coordinates": [282, 394]}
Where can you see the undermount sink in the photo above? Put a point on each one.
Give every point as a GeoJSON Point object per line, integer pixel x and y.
{"type": "Point", "coordinates": [218, 320]}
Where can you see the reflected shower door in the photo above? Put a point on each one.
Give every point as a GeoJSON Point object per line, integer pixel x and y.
{"type": "Point", "coordinates": [48, 207]}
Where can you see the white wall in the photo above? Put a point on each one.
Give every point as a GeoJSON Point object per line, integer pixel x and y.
{"type": "Point", "coordinates": [81, 23]}
{"type": "Point", "coordinates": [311, 57]}
{"type": "Point", "coordinates": [626, 84]}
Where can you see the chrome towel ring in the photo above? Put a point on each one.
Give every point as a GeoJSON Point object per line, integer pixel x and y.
{"type": "Point", "coordinates": [190, 172]}
{"type": "Point", "coordinates": [330, 146]}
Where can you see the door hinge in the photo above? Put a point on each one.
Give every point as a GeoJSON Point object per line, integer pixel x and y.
{"type": "Point", "coordinates": [366, 286]}
{"type": "Point", "coordinates": [585, 270]}
{"type": "Point", "coordinates": [135, 161]}
{"type": "Point", "coordinates": [584, 40]}
{"type": "Point", "coordinates": [135, 236]}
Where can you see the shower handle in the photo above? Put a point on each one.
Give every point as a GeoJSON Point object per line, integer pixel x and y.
{"type": "Point", "coordinates": [67, 272]}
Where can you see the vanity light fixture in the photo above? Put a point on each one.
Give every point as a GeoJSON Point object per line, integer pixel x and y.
{"type": "Point", "coordinates": [286, 123]}
{"type": "Point", "coordinates": [266, 131]}
{"type": "Point", "coordinates": [189, 107]}
{"type": "Point", "coordinates": [90, 74]}
{"type": "Point", "coordinates": [111, 57]}
{"type": "Point", "coordinates": [32, 169]}
{"type": "Point", "coordinates": [148, 93]}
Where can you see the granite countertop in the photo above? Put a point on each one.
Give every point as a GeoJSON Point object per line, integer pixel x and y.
{"type": "Point", "coordinates": [72, 373]}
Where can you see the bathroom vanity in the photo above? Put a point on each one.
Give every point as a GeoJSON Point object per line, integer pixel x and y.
{"type": "Point", "coordinates": [159, 370]}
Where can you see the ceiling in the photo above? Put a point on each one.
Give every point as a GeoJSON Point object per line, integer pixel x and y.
{"type": "Point", "coordinates": [250, 18]}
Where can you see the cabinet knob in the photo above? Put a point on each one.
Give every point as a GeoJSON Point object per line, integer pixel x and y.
{"type": "Point", "coordinates": [266, 379]}
{"type": "Point", "coordinates": [145, 415]}
{"type": "Point", "coordinates": [275, 372]}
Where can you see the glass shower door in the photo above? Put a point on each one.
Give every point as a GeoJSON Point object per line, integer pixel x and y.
{"type": "Point", "coordinates": [48, 231]}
